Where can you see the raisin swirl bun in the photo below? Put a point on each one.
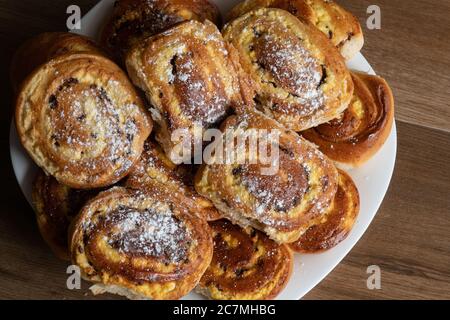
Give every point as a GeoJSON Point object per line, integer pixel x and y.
{"type": "Point", "coordinates": [246, 265]}
{"type": "Point", "coordinates": [339, 25]}
{"type": "Point", "coordinates": [337, 222]}
{"type": "Point", "coordinates": [140, 245]}
{"type": "Point", "coordinates": [134, 20]}
{"type": "Point", "coordinates": [188, 77]}
{"type": "Point", "coordinates": [282, 201]}
{"type": "Point", "coordinates": [56, 205]}
{"type": "Point", "coordinates": [154, 172]}
{"type": "Point", "coordinates": [300, 79]}
{"type": "Point", "coordinates": [82, 121]}
{"type": "Point", "coordinates": [43, 48]}
{"type": "Point", "coordinates": [354, 137]}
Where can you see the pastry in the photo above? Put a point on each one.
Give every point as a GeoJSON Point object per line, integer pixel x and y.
{"type": "Point", "coordinates": [189, 79]}
{"type": "Point", "coordinates": [43, 48]}
{"type": "Point", "coordinates": [134, 20]}
{"type": "Point", "coordinates": [155, 173]}
{"type": "Point", "coordinates": [363, 128]}
{"type": "Point", "coordinates": [279, 199]}
{"type": "Point", "coordinates": [300, 78]}
{"type": "Point", "coordinates": [82, 121]}
{"type": "Point", "coordinates": [141, 246]}
{"type": "Point", "coordinates": [246, 265]}
{"type": "Point", "coordinates": [337, 222]}
{"type": "Point", "coordinates": [56, 206]}
{"type": "Point", "coordinates": [339, 25]}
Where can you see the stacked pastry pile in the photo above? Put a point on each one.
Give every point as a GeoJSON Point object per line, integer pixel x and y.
{"type": "Point", "coordinates": [110, 198]}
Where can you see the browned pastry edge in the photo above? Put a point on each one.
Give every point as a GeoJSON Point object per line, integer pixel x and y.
{"type": "Point", "coordinates": [246, 264]}
{"type": "Point", "coordinates": [55, 122]}
{"type": "Point", "coordinates": [351, 141]}
{"type": "Point", "coordinates": [298, 78]}
{"type": "Point", "coordinates": [140, 245]}
{"type": "Point", "coordinates": [134, 20]}
{"type": "Point", "coordinates": [56, 206]}
{"type": "Point", "coordinates": [156, 173]}
{"type": "Point", "coordinates": [339, 25]}
{"type": "Point", "coordinates": [336, 224]}
{"type": "Point", "coordinates": [281, 205]}
{"type": "Point", "coordinates": [189, 79]}
{"type": "Point", "coordinates": [44, 47]}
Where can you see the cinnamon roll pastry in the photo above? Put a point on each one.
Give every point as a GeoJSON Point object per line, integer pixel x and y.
{"type": "Point", "coordinates": [337, 222]}
{"type": "Point", "coordinates": [82, 121]}
{"type": "Point", "coordinates": [189, 80]}
{"type": "Point", "coordinates": [45, 47]}
{"type": "Point", "coordinates": [354, 137]}
{"type": "Point", "coordinates": [339, 25]}
{"type": "Point", "coordinates": [56, 205]}
{"type": "Point", "coordinates": [300, 79]}
{"type": "Point", "coordinates": [134, 20]}
{"type": "Point", "coordinates": [139, 245]}
{"type": "Point", "coordinates": [155, 173]}
{"type": "Point", "coordinates": [246, 265]}
{"type": "Point", "coordinates": [279, 191]}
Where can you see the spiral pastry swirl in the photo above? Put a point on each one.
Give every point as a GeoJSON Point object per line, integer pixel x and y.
{"type": "Point", "coordinates": [246, 265]}
{"type": "Point", "coordinates": [139, 245]}
{"type": "Point", "coordinates": [155, 173]}
{"type": "Point", "coordinates": [340, 26]}
{"type": "Point", "coordinates": [336, 224]}
{"type": "Point", "coordinates": [134, 20]}
{"type": "Point", "coordinates": [81, 120]}
{"type": "Point", "coordinates": [300, 78]}
{"type": "Point", "coordinates": [42, 49]}
{"type": "Point", "coordinates": [354, 137]}
{"type": "Point", "coordinates": [56, 205]}
{"type": "Point", "coordinates": [280, 202]}
{"type": "Point", "coordinates": [188, 77]}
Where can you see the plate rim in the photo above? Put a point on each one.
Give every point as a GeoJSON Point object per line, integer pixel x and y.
{"type": "Point", "coordinates": [19, 157]}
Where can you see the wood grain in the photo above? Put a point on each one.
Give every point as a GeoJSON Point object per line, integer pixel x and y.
{"type": "Point", "coordinates": [410, 236]}
{"type": "Point", "coordinates": [411, 50]}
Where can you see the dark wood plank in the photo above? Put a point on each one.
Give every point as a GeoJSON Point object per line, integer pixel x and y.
{"type": "Point", "coordinates": [28, 270]}
{"type": "Point", "coordinates": [411, 50]}
{"type": "Point", "coordinates": [409, 238]}
{"type": "Point", "coordinates": [19, 21]}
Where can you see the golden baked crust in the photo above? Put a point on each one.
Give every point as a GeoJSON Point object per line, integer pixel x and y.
{"type": "Point", "coordinates": [134, 20]}
{"type": "Point", "coordinates": [81, 120]}
{"type": "Point", "coordinates": [363, 128]}
{"type": "Point", "coordinates": [246, 265]}
{"type": "Point", "coordinates": [301, 80]}
{"type": "Point", "coordinates": [336, 224]}
{"type": "Point", "coordinates": [339, 25]}
{"type": "Point", "coordinates": [43, 48]}
{"type": "Point", "coordinates": [148, 246]}
{"type": "Point", "coordinates": [56, 205]}
{"type": "Point", "coordinates": [188, 77]}
{"type": "Point", "coordinates": [280, 203]}
{"type": "Point", "coordinates": [154, 172]}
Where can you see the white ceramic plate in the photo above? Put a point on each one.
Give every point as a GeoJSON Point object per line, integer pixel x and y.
{"type": "Point", "coordinates": [372, 179]}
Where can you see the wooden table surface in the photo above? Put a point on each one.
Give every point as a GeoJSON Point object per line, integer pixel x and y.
{"type": "Point", "coordinates": [410, 237]}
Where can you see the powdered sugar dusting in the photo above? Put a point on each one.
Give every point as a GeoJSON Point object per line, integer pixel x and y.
{"type": "Point", "coordinates": [149, 233]}
{"type": "Point", "coordinates": [196, 102]}
{"type": "Point", "coordinates": [88, 126]}
{"type": "Point", "coordinates": [293, 68]}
